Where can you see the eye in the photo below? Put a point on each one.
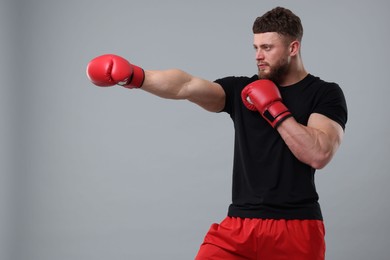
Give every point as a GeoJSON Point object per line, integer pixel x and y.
{"type": "Point", "coordinates": [267, 47]}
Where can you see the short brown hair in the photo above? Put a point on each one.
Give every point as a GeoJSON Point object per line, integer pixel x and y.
{"type": "Point", "coordinates": [279, 20]}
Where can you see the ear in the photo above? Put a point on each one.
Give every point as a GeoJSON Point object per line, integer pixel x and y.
{"type": "Point", "coordinates": [294, 48]}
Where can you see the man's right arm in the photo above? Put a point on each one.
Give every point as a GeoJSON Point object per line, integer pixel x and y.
{"type": "Point", "coordinates": [109, 70]}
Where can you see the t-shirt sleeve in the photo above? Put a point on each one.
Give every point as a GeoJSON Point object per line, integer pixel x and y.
{"type": "Point", "coordinates": [227, 85]}
{"type": "Point", "coordinates": [233, 87]}
{"type": "Point", "coordinates": [333, 105]}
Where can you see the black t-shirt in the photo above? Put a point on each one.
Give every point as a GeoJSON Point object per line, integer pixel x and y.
{"type": "Point", "coordinates": [269, 182]}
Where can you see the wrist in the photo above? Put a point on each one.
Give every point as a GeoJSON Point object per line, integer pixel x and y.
{"type": "Point", "coordinates": [276, 113]}
{"type": "Point", "coordinates": [136, 78]}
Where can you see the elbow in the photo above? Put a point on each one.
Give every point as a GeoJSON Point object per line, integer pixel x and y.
{"type": "Point", "coordinates": [318, 165]}
{"type": "Point", "coordinates": [319, 161]}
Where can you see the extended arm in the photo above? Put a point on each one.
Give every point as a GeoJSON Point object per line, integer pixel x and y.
{"type": "Point", "coordinates": [110, 70]}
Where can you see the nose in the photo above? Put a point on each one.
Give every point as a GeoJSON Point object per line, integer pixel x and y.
{"type": "Point", "coordinates": [259, 55]}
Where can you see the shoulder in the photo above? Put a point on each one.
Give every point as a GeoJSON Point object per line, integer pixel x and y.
{"type": "Point", "coordinates": [321, 84]}
{"type": "Point", "coordinates": [320, 89]}
{"type": "Point", "coordinates": [330, 101]}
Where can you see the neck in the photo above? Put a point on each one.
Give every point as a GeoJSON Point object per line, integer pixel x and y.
{"type": "Point", "coordinates": [295, 73]}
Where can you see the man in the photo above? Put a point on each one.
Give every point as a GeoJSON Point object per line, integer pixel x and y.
{"type": "Point", "coordinates": [288, 123]}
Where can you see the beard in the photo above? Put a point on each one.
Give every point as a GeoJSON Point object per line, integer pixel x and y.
{"type": "Point", "coordinates": [277, 72]}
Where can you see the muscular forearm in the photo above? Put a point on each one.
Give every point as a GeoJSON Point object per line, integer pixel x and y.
{"type": "Point", "coordinates": [310, 145]}
{"type": "Point", "coordinates": [109, 70]}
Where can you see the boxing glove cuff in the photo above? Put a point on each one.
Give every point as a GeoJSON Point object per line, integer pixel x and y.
{"type": "Point", "coordinates": [136, 79]}
{"type": "Point", "coordinates": [276, 113]}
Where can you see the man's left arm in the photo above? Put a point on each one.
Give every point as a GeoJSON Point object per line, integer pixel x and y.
{"type": "Point", "coordinates": [314, 144]}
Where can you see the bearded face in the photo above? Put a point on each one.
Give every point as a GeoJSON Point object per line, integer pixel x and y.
{"type": "Point", "coordinates": [272, 56]}
{"type": "Point", "coordinates": [276, 71]}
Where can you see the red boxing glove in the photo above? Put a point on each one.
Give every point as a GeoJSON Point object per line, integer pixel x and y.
{"type": "Point", "coordinates": [109, 70]}
{"type": "Point", "coordinates": [264, 96]}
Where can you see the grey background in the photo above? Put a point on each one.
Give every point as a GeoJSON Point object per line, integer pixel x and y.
{"type": "Point", "coordinates": [93, 173]}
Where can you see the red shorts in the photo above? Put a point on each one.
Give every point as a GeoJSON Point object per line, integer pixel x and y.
{"type": "Point", "coordinates": [264, 239]}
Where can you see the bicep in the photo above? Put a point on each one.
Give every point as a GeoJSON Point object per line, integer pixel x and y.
{"type": "Point", "coordinates": [207, 94]}
{"type": "Point", "coordinates": [332, 131]}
